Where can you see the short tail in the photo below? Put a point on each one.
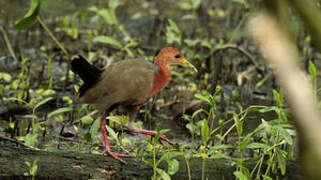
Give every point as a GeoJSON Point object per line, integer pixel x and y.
{"type": "Point", "coordinates": [87, 72]}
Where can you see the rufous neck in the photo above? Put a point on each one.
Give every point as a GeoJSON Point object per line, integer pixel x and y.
{"type": "Point", "coordinates": [161, 78]}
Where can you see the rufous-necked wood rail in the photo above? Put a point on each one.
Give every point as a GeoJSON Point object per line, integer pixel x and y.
{"type": "Point", "coordinates": [128, 83]}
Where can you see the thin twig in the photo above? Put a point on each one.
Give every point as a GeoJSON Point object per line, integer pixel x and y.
{"type": "Point", "coordinates": [241, 50]}
{"type": "Point", "coordinates": [13, 141]}
{"type": "Point", "coordinates": [9, 46]}
{"type": "Point", "coordinates": [52, 36]}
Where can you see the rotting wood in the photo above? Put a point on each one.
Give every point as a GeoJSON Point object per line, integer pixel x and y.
{"type": "Point", "coordinates": [71, 165]}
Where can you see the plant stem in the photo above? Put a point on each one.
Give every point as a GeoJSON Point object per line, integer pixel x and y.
{"type": "Point", "coordinates": [154, 160]}
{"type": "Point", "coordinates": [52, 36]}
{"type": "Point", "coordinates": [203, 168]}
{"type": "Point", "coordinates": [188, 168]}
{"type": "Point", "coordinates": [9, 46]}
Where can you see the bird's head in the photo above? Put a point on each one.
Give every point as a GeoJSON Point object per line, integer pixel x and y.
{"type": "Point", "coordinates": [172, 56]}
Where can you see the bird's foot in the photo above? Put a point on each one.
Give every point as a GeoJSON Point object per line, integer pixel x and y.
{"type": "Point", "coordinates": [152, 134]}
{"type": "Point", "coordinates": [116, 155]}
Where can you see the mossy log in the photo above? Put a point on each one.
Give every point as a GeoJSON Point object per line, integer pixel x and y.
{"type": "Point", "coordinates": [71, 165]}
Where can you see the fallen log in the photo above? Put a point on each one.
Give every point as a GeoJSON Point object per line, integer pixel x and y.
{"type": "Point", "coordinates": [73, 165]}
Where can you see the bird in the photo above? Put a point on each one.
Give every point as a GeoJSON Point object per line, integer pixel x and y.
{"type": "Point", "coordinates": [128, 84]}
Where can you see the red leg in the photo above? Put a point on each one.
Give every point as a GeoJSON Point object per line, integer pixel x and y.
{"type": "Point", "coordinates": [106, 142]}
{"type": "Point", "coordinates": [147, 132]}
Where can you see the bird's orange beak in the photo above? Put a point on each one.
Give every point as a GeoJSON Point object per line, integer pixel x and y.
{"type": "Point", "coordinates": [185, 62]}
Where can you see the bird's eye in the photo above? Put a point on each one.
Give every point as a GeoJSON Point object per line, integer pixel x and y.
{"type": "Point", "coordinates": [177, 56]}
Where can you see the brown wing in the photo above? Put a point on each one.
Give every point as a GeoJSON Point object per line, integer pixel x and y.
{"type": "Point", "coordinates": [126, 82]}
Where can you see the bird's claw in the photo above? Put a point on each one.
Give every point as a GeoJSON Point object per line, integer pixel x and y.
{"type": "Point", "coordinates": [116, 155]}
{"type": "Point", "coordinates": [162, 138]}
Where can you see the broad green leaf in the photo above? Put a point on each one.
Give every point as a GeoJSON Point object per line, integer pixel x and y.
{"type": "Point", "coordinates": [59, 111]}
{"type": "Point", "coordinates": [94, 128]}
{"type": "Point", "coordinates": [173, 166]}
{"type": "Point", "coordinates": [107, 16]}
{"type": "Point", "coordinates": [257, 146]}
{"type": "Point", "coordinates": [219, 147]}
{"type": "Point", "coordinates": [196, 3]}
{"type": "Point", "coordinates": [174, 27]}
{"type": "Point", "coordinates": [107, 40]}
{"type": "Point", "coordinates": [112, 133]}
{"type": "Point", "coordinates": [185, 6]}
{"type": "Point", "coordinates": [205, 131]}
{"type": "Point", "coordinates": [115, 119]}
{"type": "Point", "coordinates": [31, 139]}
{"type": "Point", "coordinates": [163, 174]}
{"type": "Point", "coordinates": [30, 18]}
{"type": "Point", "coordinates": [221, 156]}
{"type": "Point", "coordinates": [113, 4]}
{"type": "Point", "coordinates": [285, 134]}
{"type": "Point", "coordinates": [203, 97]}
{"type": "Point", "coordinates": [87, 120]}
{"type": "Point", "coordinates": [191, 127]}
{"type": "Point", "coordinates": [5, 76]}
{"type": "Point", "coordinates": [265, 177]}
{"type": "Point", "coordinates": [240, 175]}
{"type": "Point", "coordinates": [93, 9]}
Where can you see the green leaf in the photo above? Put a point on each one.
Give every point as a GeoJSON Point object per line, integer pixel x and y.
{"type": "Point", "coordinates": [185, 6]}
{"type": "Point", "coordinates": [115, 119]}
{"type": "Point", "coordinates": [240, 175]}
{"type": "Point", "coordinates": [312, 70]}
{"type": "Point", "coordinates": [30, 18]}
{"type": "Point", "coordinates": [161, 159]}
{"type": "Point", "coordinates": [199, 111]}
{"type": "Point", "coordinates": [202, 97]}
{"type": "Point", "coordinates": [163, 174]}
{"type": "Point", "coordinates": [107, 16]}
{"type": "Point", "coordinates": [205, 131]}
{"type": "Point", "coordinates": [5, 76]}
{"type": "Point", "coordinates": [281, 156]}
{"type": "Point", "coordinates": [196, 3]}
{"type": "Point", "coordinates": [239, 124]}
{"type": "Point", "coordinates": [17, 99]}
{"type": "Point", "coordinates": [86, 120]}
{"type": "Point", "coordinates": [265, 177]}
{"type": "Point", "coordinates": [31, 139]}
{"type": "Point", "coordinates": [218, 147]}
{"type": "Point", "coordinates": [257, 146]}
{"type": "Point", "coordinates": [174, 27]}
{"type": "Point", "coordinates": [59, 111]}
{"type": "Point", "coordinates": [43, 101]}
{"type": "Point", "coordinates": [94, 128]}
{"type": "Point", "coordinates": [159, 134]}
{"type": "Point", "coordinates": [245, 140]}
{"type": "Point", "coordinates": [113, 4]}
{"type": "Point", "coordinates": [107, 40]}
{"type": "Point", "coordinates": [112, 133]}
{"type": "Point", "coordinates": [284, 134]}
{"type": "Point", "coordinates": [173, 166]}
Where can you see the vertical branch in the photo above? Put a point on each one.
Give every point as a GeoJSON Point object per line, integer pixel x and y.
{"type": "Point", "coordinates": [282, 54]}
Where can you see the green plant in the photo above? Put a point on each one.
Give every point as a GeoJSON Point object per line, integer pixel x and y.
{"type": "Point", "coordinates": [313, 73]}
{"type": "Point", "coordinates": [32, 168]}
{"type": "Point", "coordinates": [173, 34]}
{"type": "Point", "coordinates": [169, 157]}
{"type": "Point", "coordinates": [31, 17]}
{"type": "Point", "coordinates": [109, 16]}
